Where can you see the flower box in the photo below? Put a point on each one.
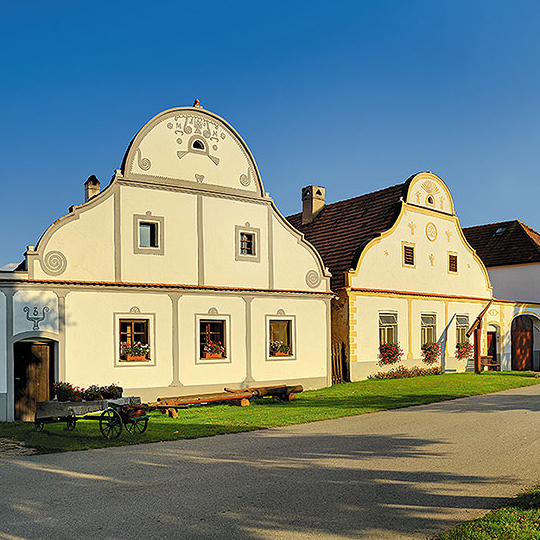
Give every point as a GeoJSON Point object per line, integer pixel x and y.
{"type": "Point", "coordinates": [212, 355]}
{"type": "Point", "coordinates": [279, 353]}
{"type": "Point", "coordinates": [135, 358]}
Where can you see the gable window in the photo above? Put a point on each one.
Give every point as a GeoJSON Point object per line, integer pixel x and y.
{"type": "Point", "coordinates": [247, 243]}
{"type": "Point", "coordinates": [148, 234]}
{"type": "Point", "coordinates": [134, 345]}
{"type": "Point", "coordinates": [387, 328]}
{"type": "Point", "coordinates": [428, 329]}
{"type": "Point", "coordinates": [452, 263]}
{"type": "Point", "coordinates": [462, 325]}
{"type": "Point", "coordinates": [408, 255]}
{"type": "Point", "coordinates": [212, 336]}
{"type": "Point", "coordinates": [280, 337]}
{"type": "Point", "coordinates": [198, 144]}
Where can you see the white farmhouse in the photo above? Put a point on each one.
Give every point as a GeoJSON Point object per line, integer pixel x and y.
{"type": "Point", "coordinates": [183, 252]}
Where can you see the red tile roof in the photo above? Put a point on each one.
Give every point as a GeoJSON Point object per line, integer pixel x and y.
{"type": "Point", "coordinates": [504, 243]}
{"type": "Point", "coordinates": [341, 230]}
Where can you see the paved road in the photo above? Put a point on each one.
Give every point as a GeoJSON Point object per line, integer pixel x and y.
{"type": "Point", "coordinates": [408, 473]}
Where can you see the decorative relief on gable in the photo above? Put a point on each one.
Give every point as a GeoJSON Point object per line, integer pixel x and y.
{"type": "Point", "coordinates": [431, 231]}
{"type": "Point", "coordinates": [143, 163]}
{"type": "Point", "coordinates": [448, 234]}
{"type": "Point", "coordinates": [54, 263]}
{"type": "Point", "coordinates": [245, 179]}
{"type": "Point", "coordinates": [430, 187]}
{"type": "Point", "coordinates": [199, 178]}
{"type": "Point", "coordinates": [34, 316]}
{"type": "Point", "coordinates": [212, 311]}
{"type": "Point", "coordinates": [493, 312]}
{"type": "Point", "coordinates": [313, 279]}
{"type": "Point", "coordinates": [386, 253]}
{"type": "Point", "coordinates": [412, 226]}
{"type": "Point", "coordinates": [280, 313]}
{"type": "Point", "coordinates": [134, 310]}
{"type": "Point", "coordinates": [431, 259]}
{"type": "Point", "coordinates": [418, 196]}
{"type": "Point", "coordinates": [441, 202]}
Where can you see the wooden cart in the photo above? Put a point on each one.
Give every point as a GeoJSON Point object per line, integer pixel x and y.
{"type": "Point", "coordinates": [112, 420]}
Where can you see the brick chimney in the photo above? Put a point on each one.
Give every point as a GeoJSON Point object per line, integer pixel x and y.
{"type": "Point", "coordinates": [312, 202]}
{"type": "Point", "coordinates": [91, 188]}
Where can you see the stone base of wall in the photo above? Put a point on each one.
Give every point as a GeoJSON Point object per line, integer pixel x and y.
{"type": "Point", "coordinates": [3, 408]}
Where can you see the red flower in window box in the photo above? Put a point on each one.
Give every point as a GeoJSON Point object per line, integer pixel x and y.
{"type": "Point", "coordinates": [213, 350]}
{"type": "Point", "coordinates": [431, 352]}
{"type": "Point", "coordinates": [389, 353]}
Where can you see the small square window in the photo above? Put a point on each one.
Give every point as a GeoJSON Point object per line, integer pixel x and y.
{"type": "Point", "coordinates": [408, 255]}
{"type": "Point", "coordinates": [212, 339]}
{"type": "Point", "coordinates": [280, 343]}
{"type": "Point", "coordinates": [452, 263]}
{"type": "Point", "coordinates": [247, 243]}
{"type": "Point", "coordinates": [148, 234]}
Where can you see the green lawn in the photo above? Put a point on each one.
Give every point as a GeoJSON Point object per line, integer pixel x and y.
{"type": "Point", "coordinates": [340, 400]}
{"type": "Point", "coordinates": [519, 519]}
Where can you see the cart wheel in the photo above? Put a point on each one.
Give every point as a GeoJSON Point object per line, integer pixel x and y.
{"type": "Point", "coordinates": [70, 423]}
{"type": "Point", "coordinates": [38, 425]}
{"type": "Point", "coordinates": [137, 426]}
{"type": "Point", "coordinates": [110, 424]}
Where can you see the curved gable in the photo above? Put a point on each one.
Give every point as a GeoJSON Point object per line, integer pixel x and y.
{"type": "Point", "coordinates": [192, 147]}
{"type": "Point", "coordinates": [429, 191]}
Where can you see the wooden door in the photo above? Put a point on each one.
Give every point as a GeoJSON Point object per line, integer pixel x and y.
{"type": "Point", "coordinates": [34, 376]}
{"type": "Point", "coordinates": [522, 343]}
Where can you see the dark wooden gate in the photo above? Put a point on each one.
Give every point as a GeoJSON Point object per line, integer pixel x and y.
{"type": "Point", "coordinates": [34, 376]}
{"type": "Point", "coordinates": [522, 343]}
{"type": "Point", "coordinates": [340, 367]}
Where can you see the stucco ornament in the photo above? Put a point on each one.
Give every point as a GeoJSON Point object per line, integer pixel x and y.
{"type": "Point", "coordinates": [34, 316]}
{"type": "Point", "coordinates": [431, 231]}
{"type": "Point", "coordinates": [313, 279]}
{"type": "Point", "coordinates": [54, 263]}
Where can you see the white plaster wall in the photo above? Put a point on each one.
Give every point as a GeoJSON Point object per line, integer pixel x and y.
{"type": "Point", "coordinates": [193, 371]}
{"type": "Point", "coordinates": [221, 216]}
{"type": "Point", "coordinates": [91, 343]}
{"type": "Point", "coordinates": [292, 260]}
{"type": "Point", "coordinates": [3, 345]}
{"type": "Point", "coordinates": [178, 265]}
{"type": "Point", "coordinates": [311, 339]}
{"type": "Point", "coordinates": [87, 244]}
{"type": "Point", "coordinates": [520, 283]}
{"type": "Point", "coordinates": [382, 268]}
{"type": "Point", "coordinates": [35, 300]}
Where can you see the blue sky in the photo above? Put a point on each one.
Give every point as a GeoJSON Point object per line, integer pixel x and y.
{"type": "Point", "coordinates": [354, 96]}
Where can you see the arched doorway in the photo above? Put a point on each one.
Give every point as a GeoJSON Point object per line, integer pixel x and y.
{"type": "Point", "coordinates": [33, 376]}
{"type": "Point", "coordinates": [522, 343]}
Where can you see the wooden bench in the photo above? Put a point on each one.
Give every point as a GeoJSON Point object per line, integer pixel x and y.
{"type": "Point", "coordinates": [490, 363]}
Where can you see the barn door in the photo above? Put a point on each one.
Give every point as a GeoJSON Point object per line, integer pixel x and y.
{"type": "Point", "coordinates": [522, 343]}
{"type": "Point", "coordinates": [34, 376]}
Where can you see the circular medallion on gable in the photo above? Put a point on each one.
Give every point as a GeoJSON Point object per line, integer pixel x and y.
{"type": "Point", "coordinates": [431, 231]}
{"type": "Point", "coordinates": [313, 279]}
{"type": "Point", "coordinates": [54, 263]}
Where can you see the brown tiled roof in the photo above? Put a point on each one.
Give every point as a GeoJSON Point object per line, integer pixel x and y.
{"type": "Point", "coordinates": [504, 243]}
{"type": "Point", "coordinates": [341, 230]}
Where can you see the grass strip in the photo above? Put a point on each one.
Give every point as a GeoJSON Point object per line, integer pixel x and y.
{"type": "Point", "coordinates": [519, 519]}
{"type": "Point", "coordinates": [337, 401]}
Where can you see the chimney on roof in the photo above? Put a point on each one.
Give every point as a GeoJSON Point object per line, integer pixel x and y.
{"type": "Point", "coordinates": [312, 202]}
{"type": "Point", "coordinates": [91, 188]}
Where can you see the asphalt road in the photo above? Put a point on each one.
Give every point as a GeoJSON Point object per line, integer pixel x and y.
{"type": "Point", "coordinates": [409, 473]}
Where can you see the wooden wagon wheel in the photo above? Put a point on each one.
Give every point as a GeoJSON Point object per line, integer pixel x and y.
{"type": "Point", "coordinates": [38, 425]}
{"type": "Point", "coordinates": [110, 424]}
{"type": "Point", "coordinates": [137, 426]}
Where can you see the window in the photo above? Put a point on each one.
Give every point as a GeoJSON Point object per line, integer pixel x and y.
{"type": "Point", "coordinates": [280, 334]}
{"type": "Point", "coordinates": [387, 328]}
{"type": "Point", "coordinates": [148, 234]}
{"type": "Point", "coordinates": [247, 243]}
{"type": "Point", "coordinates": [452, 263]}
{"type": "Point", "coordinates": [212, 342]}
{"type": "Point", "coordinates": [462, 325]}
{"type": "Point", "coordinates": [408, 255]}
{"type": "Point", "coordinates": [134, 344]}
{"type": "Point", "coordinates": [428, 329]}
{"type": "Point", "coordinates": [198, 144]}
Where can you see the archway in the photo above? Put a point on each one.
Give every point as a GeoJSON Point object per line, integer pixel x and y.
{"type": "Point", "coordinates": [33, 375]}
{"type": "Point", "coordinates": [522, 343]}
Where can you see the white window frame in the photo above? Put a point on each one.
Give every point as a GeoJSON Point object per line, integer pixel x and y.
{"type": "Point", "coordinates": [384, 327]}
{"type": "Point", "coordinates": [151, 321]}
{"type": "Point", "coordinates": [461, 327]}
{"type": "Point", "coordinates": [226, 319]}
{"type": "Point", "coordinates": [159, 221]}
{"type": "Point", "coordinates": [424, 328]}
{"type": "Point", "coordinates": [239, 256]}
